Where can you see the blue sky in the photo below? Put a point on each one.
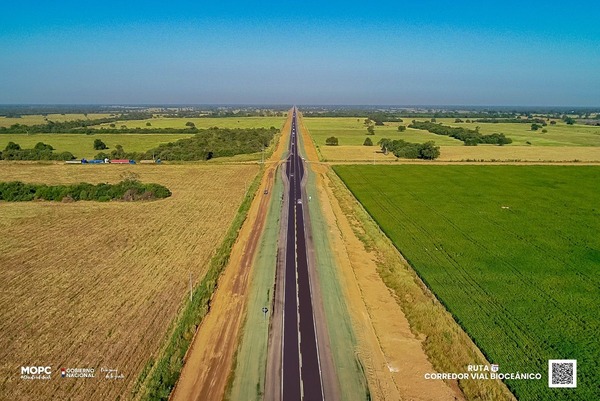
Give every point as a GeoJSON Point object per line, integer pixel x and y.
{"type": "Point", "coordinates": [426, 52]}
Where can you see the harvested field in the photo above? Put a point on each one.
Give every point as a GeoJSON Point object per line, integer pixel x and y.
{"type": "Point", "coordinates": [93, 285]}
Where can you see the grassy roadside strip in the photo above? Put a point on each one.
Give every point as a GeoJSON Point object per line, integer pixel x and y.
{"type": "Point", "coordinates": [158, 378]}
{"type": "Point", "coordinates": [249, 369]}
{"type": "Point", "coordinates": [350, 373]}
{"type": "Point", "coordinates": [447, 346]}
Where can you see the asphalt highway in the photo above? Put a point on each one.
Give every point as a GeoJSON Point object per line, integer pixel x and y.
{"type": "Point", "coordinates": [301, 371]}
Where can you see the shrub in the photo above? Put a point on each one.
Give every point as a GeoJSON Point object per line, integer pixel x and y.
{"type": "Point", "coordinates": [332, 141]}
{"type": "Point", "coordinates": [99, 145]}
{"type": "Point", "coordinates": [368, 142]}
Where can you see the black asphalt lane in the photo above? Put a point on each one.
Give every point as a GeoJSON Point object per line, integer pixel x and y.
{"type": "Point", "coordinates": [300, 356]}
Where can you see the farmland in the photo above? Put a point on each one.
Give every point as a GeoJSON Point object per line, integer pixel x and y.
{"type": "Point", "coordinates": [82, 145]}
{"type": "Point", "coordinates": [81, 280]}
{"type": "Point", "coordinates": [35, 119]}
{"type": "Point", "coordinates": [562, 142]}
{"type": "Point", "coordinates": [352, 132]}
{"type": "Point", "coordinates": [511, 251]}
{"type": "Point", "coordinates": [221, 122]}
{"type": "Point", "coordinates": [560, 134]}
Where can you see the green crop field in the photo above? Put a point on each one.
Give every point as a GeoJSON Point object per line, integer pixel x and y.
{"type": "Point", "coordinates": [83, 145]}
{"type": "Point", "coordinates": [513, 252]}
{"type": "Point", "coordinates": [352, 131]}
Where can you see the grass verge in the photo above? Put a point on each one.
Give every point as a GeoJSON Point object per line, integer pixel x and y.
{"type": "Point", "coordinates": [248, 378]}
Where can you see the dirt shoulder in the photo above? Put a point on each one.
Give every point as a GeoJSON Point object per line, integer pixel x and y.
{"type": "Point", "coordinates": [210, 358]}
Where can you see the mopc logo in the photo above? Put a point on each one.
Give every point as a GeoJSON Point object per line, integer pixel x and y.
{"type": "Point", "coordinates": [36, 372]}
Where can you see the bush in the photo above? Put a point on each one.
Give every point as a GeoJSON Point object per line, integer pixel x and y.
{"type": "Point", "coordinates": [368, 142]}
{"type": "Point", "coordinates": [401, 128]}
{"type": "Point", "coordinates": [332, 141]}
{"type": "Point", "coordinates": [99, 145]}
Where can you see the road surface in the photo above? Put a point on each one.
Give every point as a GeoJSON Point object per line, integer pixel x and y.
{"type": "Point", "coordinates": [301, 370]}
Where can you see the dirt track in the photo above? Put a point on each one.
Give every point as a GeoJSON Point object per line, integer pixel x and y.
{"type": "Point", "coordinates": [209, 360]}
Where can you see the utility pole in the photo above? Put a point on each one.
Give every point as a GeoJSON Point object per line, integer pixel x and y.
{"type": "Point", "coordinates": [190, 286]}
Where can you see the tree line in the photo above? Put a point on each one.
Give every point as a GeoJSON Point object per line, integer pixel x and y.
{"type": "Point", "coordinates": [205, 145]}
{"type": "Point", "coordinates": [468, 136]}
{"type": "Point", "coordinates": [126, 190]}
{"type": "Point", "coordinates": [40, 151]}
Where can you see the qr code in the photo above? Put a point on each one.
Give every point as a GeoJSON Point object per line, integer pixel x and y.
{"type": "Point", "coordinates": [562, 373]}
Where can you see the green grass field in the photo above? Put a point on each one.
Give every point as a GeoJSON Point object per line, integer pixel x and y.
{"type": "Point", "coordinates": [352, 131]}
{"type": "Point", "coordinates": [225, 122]}
{"type": "Point", "coordinates": [560, 134]}
{"type": "Point", "coordinates": [37, 119]}
{"type": "Point", "coordinates": [513, 253]}
{"type": "Point", "coordinates": [83, 145]}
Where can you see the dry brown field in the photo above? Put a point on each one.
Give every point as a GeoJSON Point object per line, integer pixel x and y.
{"type": "Point", "coordinates": [96, 285]}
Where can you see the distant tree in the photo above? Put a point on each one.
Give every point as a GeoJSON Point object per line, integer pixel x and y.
{"type": "Point", "coordinates": [367, 121]}
{"type": "Point", "coordinates": [468, 121]}
{"type": "Point", "coordinates": [402, 128]}
{"type": "Point", "coordinates": [148, 124]}
{"type": "Point", "coordinates": [552, 122]}
{"type": "Point", "coordinates": [569, 120]}
{"type": "Point", "coordinates": [368, 142]}
{"type": "Point", "coordinates": [332, 141]}
{"type": "Point", "coordinates": [370, 130]}
{"type": "Point", "coordinates": [458, 120]}
{"type": "Point", "coordinates": [123, 126]}
{"type": "Point", "coordinates": [535, 127]}
{"type": "Point", "coordinates": [433, 120]}
{"type": "Point", "coordinates": [190, 124]}
{"type": "Point", "coordinates": [112, 125]}
{"type": "Point", "coordinates": [99, 145]}
{"type": "Point", "coordinates": [544, 131]}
